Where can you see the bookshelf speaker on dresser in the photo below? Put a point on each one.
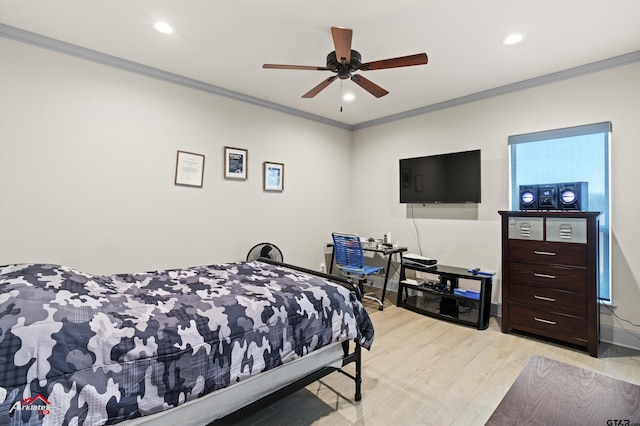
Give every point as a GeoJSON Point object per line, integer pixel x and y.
{"type": "Point", "coordinates": [550, 275]}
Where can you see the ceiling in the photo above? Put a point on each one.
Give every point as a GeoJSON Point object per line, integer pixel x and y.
{"type": "Point", "coordinates": [223, 43]}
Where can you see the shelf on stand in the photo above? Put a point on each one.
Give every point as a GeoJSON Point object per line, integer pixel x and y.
{"type": "Point", "coordinates": [439, 300]}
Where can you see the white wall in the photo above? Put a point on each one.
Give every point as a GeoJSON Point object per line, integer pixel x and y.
{"type": "Point", "coordinates": [612, 95]}
{"type": "Point", "coordinates": [87, 163]}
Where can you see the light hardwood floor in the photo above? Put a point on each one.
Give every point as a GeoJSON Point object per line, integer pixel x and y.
{"type": "Point", "coordinates": [425, 371]}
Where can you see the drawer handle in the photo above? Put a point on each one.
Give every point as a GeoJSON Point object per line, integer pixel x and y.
{"type": "Point", "coordinates": [544, 253]}
{"type": "Point", "coordinates": [546, 299]}
{"type": "Point", "coordinates": [553, 277]}
{"type": "Point", "coordinates": [545, 321]}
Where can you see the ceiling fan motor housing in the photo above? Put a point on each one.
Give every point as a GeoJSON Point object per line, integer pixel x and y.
{"type": "Point", "coordinates": [344, 70]}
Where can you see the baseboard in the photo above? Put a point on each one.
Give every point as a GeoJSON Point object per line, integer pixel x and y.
{"type": "Point", "coordinates": [619, 337]}
{"type": "Point", "coordinates": [496, 310]}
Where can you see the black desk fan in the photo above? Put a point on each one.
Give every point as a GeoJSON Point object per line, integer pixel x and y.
{"type": "Point", "coordinates": [267, 250]}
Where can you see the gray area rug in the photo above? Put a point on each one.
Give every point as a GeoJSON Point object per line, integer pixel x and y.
{"type": "Point", "coordinates": [549, 392]}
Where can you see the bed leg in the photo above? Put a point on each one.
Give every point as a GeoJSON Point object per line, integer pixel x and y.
{"type": "Point", "coordinates": [358, 379]}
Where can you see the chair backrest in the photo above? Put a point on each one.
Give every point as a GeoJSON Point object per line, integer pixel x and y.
{"type": "Point", "coordinates": [348, 253]}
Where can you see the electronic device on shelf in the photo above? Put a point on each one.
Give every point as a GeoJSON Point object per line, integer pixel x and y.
{"type": "Point", "coordinates": [476, 271]}
{"type": "Point", "coordinates": [573, 196]}
{"type": "Point", "coordinates": [412, 259]}
{"type": "Point", "coordinates": [469, 294]}
{"type": "Point", "coordinates": [528, 197]}
{"type": "Point", "coordinates": [548, 196]}
{"type": "Point", "coordinates": [437, 286]}
{"type": "Point", "coordinates": [554, 196]}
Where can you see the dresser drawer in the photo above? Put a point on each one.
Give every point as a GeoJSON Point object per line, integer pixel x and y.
{"type": "Point", "coordinates": [568, 230]}
{"type": "Point", "coordinates": [551, 276]}
{"type": "Point", "coordinates": [556, 326]}
{"type": "Point", "coordinates": [549, 299]}
{"type": "Point", "coordinates": [548, 252]}
{"type": "Point", "coordinates": [526, 228]}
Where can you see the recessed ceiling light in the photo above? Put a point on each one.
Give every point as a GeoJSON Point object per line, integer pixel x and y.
{"type": "Point", "coordinates": [163, 27]}
{"type": "Point", "coordinates": [513, 39]}
{"type": "Point", "coordinates": [349, 96]}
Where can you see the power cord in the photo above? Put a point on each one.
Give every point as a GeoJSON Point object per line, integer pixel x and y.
{"type": "Point", "coordinates": [415, 225]}
{"type": "Point", "coordinates": [619, 319]}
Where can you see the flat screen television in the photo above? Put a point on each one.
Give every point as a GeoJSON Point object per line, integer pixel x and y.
{"type": "Point", "coordinates": [444, 178]}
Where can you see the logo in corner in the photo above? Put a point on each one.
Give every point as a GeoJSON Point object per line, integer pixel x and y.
{"type": "Point", "coordinates": [38, 403]}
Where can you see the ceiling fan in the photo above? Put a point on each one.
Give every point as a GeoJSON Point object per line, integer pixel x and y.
{"type": "Point", "coordinates": [344, 62]}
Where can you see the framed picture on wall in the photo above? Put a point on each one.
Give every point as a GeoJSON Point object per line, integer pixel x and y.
{"type": "Point", "coordinates": [189, 169]}
{"type": "Point", "coordinates": [273, 176]}
{"type": "Point", "coordinates": [235, 163]}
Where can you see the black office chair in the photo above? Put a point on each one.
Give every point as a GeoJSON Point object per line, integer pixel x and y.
{"type": "Point", "coordinates": [349, 258]}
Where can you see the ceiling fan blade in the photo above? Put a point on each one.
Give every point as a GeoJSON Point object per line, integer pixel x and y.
{"type": "Point", "coordinates": [294, 67]}
{"type": "Point", "coordinates": [342, 43]}
{"type": "Point", "coordinates": [403, 61]}
{"type": "Point", "coordinates": [369, 86]}
{"type": "Point", "coordinates": [311, 93]}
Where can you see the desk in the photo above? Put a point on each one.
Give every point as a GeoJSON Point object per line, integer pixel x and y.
{"type": "Point", "coordinates": [387, 252]}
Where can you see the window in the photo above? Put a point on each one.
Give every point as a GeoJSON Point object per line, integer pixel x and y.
{"type": "Point", "coordinates": [574, 154]}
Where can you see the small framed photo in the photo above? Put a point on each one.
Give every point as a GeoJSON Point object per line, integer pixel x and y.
{"type": "Point", "coordinates": [273, 176]}
{"type": "Point", "coordinates": [189, 169]}
{"type": "Point", "coordinates": [235, 163]}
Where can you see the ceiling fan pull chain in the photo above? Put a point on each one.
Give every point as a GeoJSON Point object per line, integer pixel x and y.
{"type": "Point", "coordinates": [341, 97]}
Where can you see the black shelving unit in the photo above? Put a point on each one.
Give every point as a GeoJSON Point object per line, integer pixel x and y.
{"type": "Point", "coordinates": [437, 298]}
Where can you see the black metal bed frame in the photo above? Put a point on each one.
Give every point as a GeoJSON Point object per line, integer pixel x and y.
{"type": "Point", "coordinates": [348, 358]}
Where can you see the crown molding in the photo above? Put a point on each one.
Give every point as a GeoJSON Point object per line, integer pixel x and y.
{"type": "Point", "coordinates": [20, 35]}
{"type": "Point", "coordinates": [38, 40]}
{"type": "Point", "coordinates": [616, 61]}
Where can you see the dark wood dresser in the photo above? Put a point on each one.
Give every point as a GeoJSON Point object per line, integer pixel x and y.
{"type": "Point", "coordinates": [550, 275]}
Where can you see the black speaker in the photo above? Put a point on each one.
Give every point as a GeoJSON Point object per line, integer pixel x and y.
{"type": "Point", "coordinates": [548, 196]}
{"type": "Point", "coordinates": [573, 196]}
{"type": "Point", "coordinates": [528, 197]}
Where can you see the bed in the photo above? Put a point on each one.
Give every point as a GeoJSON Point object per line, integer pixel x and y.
{"type": "Point", "coordinates": [193, 345]}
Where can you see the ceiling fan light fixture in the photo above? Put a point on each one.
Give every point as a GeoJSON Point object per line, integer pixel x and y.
{"type": "Point", "coordinates": [514, 38]}
{"type": "Point", "coordinates": [344, 62]}
{"type": "Point", "coordinates": [349, 97]}
{"type": "Point", "coordinates": [163, 27]}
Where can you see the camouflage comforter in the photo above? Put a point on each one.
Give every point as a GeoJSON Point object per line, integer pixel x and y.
{"type": "Point", "coordinates": [87, 349]}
